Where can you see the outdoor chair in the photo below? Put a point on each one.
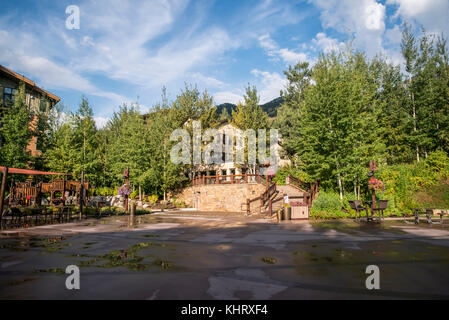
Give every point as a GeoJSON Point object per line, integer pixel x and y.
{"type": "Point", "coordinates": [357, 206]}
{"type": "Point", "coordinates": [383, 205]}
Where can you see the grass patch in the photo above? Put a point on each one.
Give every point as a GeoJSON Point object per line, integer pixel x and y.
{"type": "Point", "coordinates": [269, 260]}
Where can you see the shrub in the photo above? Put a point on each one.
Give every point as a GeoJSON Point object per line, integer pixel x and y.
{"type": "Point", "coordinates": [105, 191]}
{"type": "Point", "coordinates": [179, 203]}
{"type": "Point", "coordinates": [153, 198]}
{"type": "Point", "coordinates": [329, 205]}
{"type": "Point", "coordinates": [134, 194]}
{"type": "Point", "coordinates": [408, 186]}
{"type": "Point", "coordinates": [283, 172]}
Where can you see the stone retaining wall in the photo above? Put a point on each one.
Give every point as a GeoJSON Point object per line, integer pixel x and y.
{"type": "Point", "coordinates": [221, 197]}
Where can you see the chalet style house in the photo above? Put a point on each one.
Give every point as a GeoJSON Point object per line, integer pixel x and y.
{"type": "Point", "coordinates": [228, 168]}
{"type": "Point", "coordinates": [38, 100]}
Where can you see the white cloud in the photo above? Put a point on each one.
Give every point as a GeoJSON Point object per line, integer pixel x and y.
{"type": "Point", "coordinates": [115, 42]}
{"type": "Point", "coordinates": [292, 57]}
{"type": "Point", "coordinates": [288, 56]}
{"type": "Point", "coordinates": [18, 51]}
{"type": "Point", "coordinates": [209, 82]}
{"type": "Point", "coordinates": [101, 122]}
{"type": "Point", "coordinates": [327, 44]}
{"type": "Point", "coordinates": [393, 35]}
{"type": "Point", "coordinates": [365, 19]}
{"type": "Point", "coordinates": [227, 97]}
{"type": "Point", "coordinates": [271, 84]}
{"type": "Point", "coordinates": [432, 14]}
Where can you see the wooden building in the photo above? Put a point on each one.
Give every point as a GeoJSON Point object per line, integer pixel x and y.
{"type": "Point", "coordinates": [38, 100]}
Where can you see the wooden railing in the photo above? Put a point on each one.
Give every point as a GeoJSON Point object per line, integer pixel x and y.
{"type": "Point", "coordinates": [230, 179]}
{"type": "Point", "coordinates": [63, 185]}
{"type": "Point", "coordinates": [311, 190]}
{"type": "Point", "coordinates": [264, 199]}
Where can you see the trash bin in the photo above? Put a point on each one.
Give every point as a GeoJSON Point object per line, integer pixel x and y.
{"type": "Point", "coordinates": [288, 213]}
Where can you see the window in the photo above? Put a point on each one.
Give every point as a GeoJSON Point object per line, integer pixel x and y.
{"type": "Point", "coordinates": [8, 95]}
{"type": "Point", "coordinates": [43, 105]}
{"type": "Point", "coordinates": [41, 126]}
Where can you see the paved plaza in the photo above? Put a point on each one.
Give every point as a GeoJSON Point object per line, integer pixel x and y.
{"type": "Point", "coordinates": [192, 255]}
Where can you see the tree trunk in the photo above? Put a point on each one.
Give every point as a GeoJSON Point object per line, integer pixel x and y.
{"type": "Point", "coordinates": [340, 187]}
{"type": "Point", "coordinates": [355, 190]}
{"type": "Point", "coordinates": [358, 191]}
{"type": "Point", "coordinates": [414, 120]}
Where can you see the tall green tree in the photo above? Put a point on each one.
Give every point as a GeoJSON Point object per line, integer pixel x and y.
{"type": "Point", "coordinates": [249, 114]}
{"type": "Point", "coordinates": [426, 64]}
{"type": "Point", "coordinates": [333, 110]}
{"type": "Point", "coordinates": [85, 142]}
{"type": "Point", "coordinates": [15, 132]}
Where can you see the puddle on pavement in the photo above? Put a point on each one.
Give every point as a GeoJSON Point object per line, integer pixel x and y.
{"type": "Point", "coordinates": [138, 257]}
{"type": "Point", "coordinates": [20, 281]}
{"type": "Point", "coordinates": [49, 244]}
{"type": "Point", "coordinates": [355, 228]}
{"type": "Point", "coordinates": [323, 260]}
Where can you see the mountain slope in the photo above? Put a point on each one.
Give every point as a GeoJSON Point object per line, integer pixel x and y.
{"type": "Point", "coordinates": [270, 107]}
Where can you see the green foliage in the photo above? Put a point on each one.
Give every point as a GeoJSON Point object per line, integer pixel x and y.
{"type": "Point", "coordinates": [178, 203]}
{"type": "Point", "coordinates": [106, 191]}
{"type": "Point", "coordinates": [153, 199]}
{"type": "Point", "coordinates": [15, 132]}
{"type": "Point", "coordinates": [249, 115]}
{"type": "Point", "coordinates": [411, 186]}
{"type": "Point", "coordinates": [224, 115]}
{"type": "Point", "coordinates": [348, 110]}
{"type": "Point", "coordinates": [74, 145]}
{"type": "Point", "coordinates": [134, 194]}
{"type": "Point", "coordinates": [329, 206]}
{"type": "Point", "coordinates": [283, 172]}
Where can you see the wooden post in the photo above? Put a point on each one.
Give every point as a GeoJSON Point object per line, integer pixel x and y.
{"type": "Point", "coordinates": [140, 193]}
{"type": "Point", "coordinates": [81, 197]}
{"type": "Point", "coordinates": [2, 190]}
{"type": "Point", "coordinates": [218, 177]}
{"type": "Point", "coordinates": [131, 216]}
{"type": "Point", "coordinates": [126, 197]}
{"type": "Point", "coordinates": [266, 182]}
{"type": "Point", "coordinates": [232, 178]}
{"type": "Point", "coordinates": [246, 177]}
{"type": "Point", "coordinates": [63, 191]}
{"type": "Point", "coordinates": [270, 206]}
{"type": "Point", "coordinates": [247, 206]}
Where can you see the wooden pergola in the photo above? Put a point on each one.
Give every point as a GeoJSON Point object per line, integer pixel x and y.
{"type": "Point", "coordinates": [26, 190]}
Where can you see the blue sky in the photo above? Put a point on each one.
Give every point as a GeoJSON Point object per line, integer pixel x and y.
{"type": "Point", "coordinates": [129, 50]}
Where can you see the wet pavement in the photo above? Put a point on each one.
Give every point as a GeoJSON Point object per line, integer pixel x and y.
{"type": "Point", "coordinates": [190, 255]}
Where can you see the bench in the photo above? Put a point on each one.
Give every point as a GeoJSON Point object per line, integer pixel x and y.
{"type": "Point", "coordinates": [428, 213]}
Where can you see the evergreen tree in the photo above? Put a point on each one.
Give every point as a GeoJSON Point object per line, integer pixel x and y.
{"type": "Point", "coordinates": [249, 114]}
{"type": "Point", "coordinates": [224, 115]}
